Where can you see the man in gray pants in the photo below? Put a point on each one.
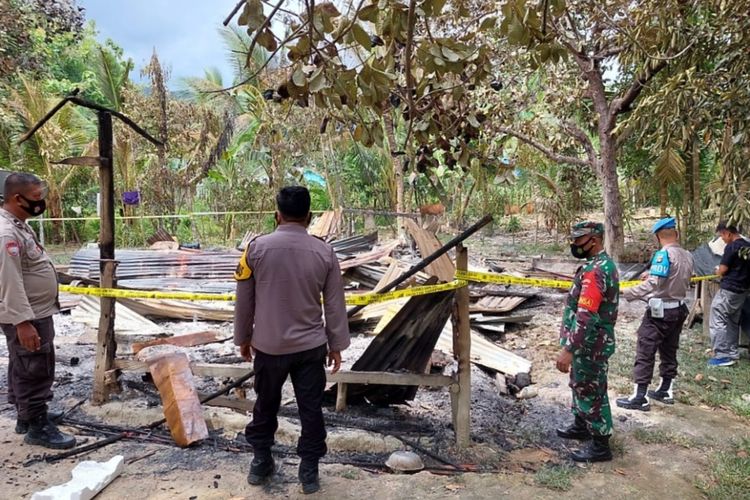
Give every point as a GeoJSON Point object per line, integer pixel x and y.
{"type": "Point", "coordinates": [726, 307]}
{"type": "Point", "coordinates": [28, 300]}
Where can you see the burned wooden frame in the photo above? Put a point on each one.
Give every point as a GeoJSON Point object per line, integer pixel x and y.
{"type": "Point", "coordinates": [106, 347]}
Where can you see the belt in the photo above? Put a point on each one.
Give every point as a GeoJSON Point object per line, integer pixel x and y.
{"type": "Point", "coordinates": [672, 304]}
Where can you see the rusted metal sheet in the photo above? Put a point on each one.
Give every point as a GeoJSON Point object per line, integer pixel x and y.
{"type": "Point", "coordinates": [486, 354]}
{"type": "Point", "coordinates": [127, 321]}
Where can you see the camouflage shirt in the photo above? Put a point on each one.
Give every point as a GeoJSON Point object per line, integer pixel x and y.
{"type": "Point", "coordinates": [588, 325]}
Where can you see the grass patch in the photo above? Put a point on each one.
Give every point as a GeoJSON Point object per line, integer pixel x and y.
{"type": "Point", "coordinates": [352, 474]}
{"type": "Point", "coordinates": [660, 436]}
{"type": "Point", "coordinates": [528, 437]}
{"type": "Point", "coordinates": [539, 248]}
{"type": "Point", "coordinates": [621, 364]}
{"type": "Point", "coordinates": [555, 477]}
{"type": "Point", "coordinates": [714, 387]}
{"type": "Point", "coordinates": [617, 444]}
{"type": "Point", "coordinates": [729, 474]}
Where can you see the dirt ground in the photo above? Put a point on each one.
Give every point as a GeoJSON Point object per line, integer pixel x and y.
{"type": "Point", "coordinates": [514, 440]}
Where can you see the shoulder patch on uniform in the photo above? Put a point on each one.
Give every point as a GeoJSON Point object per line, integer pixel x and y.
{"type": "Point", "coordinates": [591, 296]}
{"type": "Point", "coordinates": [13, 249]}
{"type": "Point", "coordinates": [243, 271]}
{"type": "Point", "coordinates": [660, 264]}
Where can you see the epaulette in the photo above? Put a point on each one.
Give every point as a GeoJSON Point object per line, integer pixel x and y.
{"type": "Point", "coordinates": [243, 272]}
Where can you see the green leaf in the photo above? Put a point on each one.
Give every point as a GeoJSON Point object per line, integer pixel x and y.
{"type": "Point", "coordinates": [298, 77]}
{"type": "Point", "coordinates": [488, 23]}
{"type": "Point", "coordinates": [516, 32]}
{"type": "Point", "coordinates": [361, 36]}
{"type": "Point", "coordinates": [451, 54]}
{"type": "Point", "coordinates": [369, 13]}
{"type": "Point", "coordinates": [327, 9]}
{"type": "Point", "coordinates": [318, 81]}
{"type": "Point", "coordinates": [252, 15]}
{"type": "Point", "coordinates": [267, 40]}
{"type": "Point", "coordinates": [300, 50]}
{"type": "Point", "coordinates": [437, 7]}
{"type": "Point", "coordinates": [358, 132]}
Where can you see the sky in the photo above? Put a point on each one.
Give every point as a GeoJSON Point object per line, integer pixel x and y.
{"type": "Point", "coordinates": [183, 32]}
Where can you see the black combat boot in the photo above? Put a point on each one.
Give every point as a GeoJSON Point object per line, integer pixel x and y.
{"type": "Point", "coordinates": [637, 400]}
{"type": "Point", "coordinates": [664, 393]}
{"type": "Point", "coordinates": [54, 416]}
{"type": "Point", "coordinates": [42, 432]}
{"type": "Point", "coordinates": [577, 430]}
{"type": "Point", "coordinates": [308, 476]}
{"type": "Point", "coordinates": [596, 451]}
{"type": "Point", "coordinates": [261, 468]}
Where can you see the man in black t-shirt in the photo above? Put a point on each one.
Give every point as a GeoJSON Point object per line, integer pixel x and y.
{"type": "Point", "coordinates": [726, 307]}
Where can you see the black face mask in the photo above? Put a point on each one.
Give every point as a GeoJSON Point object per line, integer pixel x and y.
{"type": "Point", "coordinates": [579, 251]}
{"type": "Point", "coordinates": [35, 207]}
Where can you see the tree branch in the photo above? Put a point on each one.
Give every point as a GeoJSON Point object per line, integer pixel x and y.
{"type": "Point", "coordinates": [263, 26]}
{"type": "Point", "coordinates": [548, 152]}
{"type": "Point", "coordinates": [411, 21]}
{"type": "Point", "coordinates": [605, 53]}
{"type": "Point", "coordinates": [578, 133]}
{"type": "Point", "coordinates": [622, 103]}
{"type": "Point", "coordinates": [234, 11]}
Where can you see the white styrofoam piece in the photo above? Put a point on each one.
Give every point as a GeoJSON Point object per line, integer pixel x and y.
{"type": "Point", "coordinates": [89, 478]}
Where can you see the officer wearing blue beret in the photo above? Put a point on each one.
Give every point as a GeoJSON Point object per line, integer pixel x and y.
{"type": "Point", "coordinates": [664, 289]}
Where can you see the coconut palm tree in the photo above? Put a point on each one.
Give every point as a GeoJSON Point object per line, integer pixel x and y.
{"type": "Point", "coordinates": [66, 134]}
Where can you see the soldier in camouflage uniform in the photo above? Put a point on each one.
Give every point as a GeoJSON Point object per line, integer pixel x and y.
{"type": "Point", "coordinates": [587, 337]}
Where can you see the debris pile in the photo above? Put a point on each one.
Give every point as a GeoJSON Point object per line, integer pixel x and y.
{"type": "Point", "coordinates": [409, 335]}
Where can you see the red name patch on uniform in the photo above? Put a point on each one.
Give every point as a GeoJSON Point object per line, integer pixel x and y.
{"type": "Point", "coordinates": [591, 295]}
{"type": "Point", "coordinates": [13, 249]}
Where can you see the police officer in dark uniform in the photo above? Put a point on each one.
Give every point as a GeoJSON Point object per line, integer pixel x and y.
{"type": "Point", "coordinates": [664, 289]}
{"type": "Point", "coordinates": [28, 299]}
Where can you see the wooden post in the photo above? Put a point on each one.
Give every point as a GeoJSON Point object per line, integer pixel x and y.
{"type": "Point", "coordinates": [106, 347]}
{"type": "Point", "coordinates": [341, 397]}
{"type": "Point", "coordinates": [461, 401]}
{"type": "Point", "coordinates": [707, 296]}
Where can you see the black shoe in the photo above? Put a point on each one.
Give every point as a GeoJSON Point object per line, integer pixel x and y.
{"type": "Point", "coordinates": [596, 451]}
{"type": "Point", "coordinates": [54, 416]}
{"type": "Point", "coordinates": [637, 400]}
{"type": "Point", "coordinates": [662, 397]}
{"type": "Point", "coordinates": [42, 432]}
{"type": "Point", "coordinates": [577, 430]}
{"type": "Point", "coordinates": [664, 393]}
{"type": "Point", "coordinates": [308, 477]}
{"type": "Point", "coordinates": [634, 403]}
{"type": "Point", "coordinates": [261, 468]}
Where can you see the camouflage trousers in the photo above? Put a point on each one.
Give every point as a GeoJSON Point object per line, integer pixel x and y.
{"type": "Point", "coordinates": [588, 380]}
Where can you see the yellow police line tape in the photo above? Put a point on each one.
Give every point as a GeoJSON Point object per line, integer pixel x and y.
{"type": "Point", "coordinates": [504, 279]}
{"type": "Point", "coordinates": [119, 293]}
{"type": "Point", "coordinates": [352, 299]}
{"type": "Point", "coordinates": [363, 299]}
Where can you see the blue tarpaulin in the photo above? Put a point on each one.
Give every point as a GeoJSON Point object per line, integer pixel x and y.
{"type": "Point", "coordinates": [314, 178]}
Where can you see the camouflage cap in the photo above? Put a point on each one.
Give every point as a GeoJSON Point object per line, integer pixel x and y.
{"type": "Point", "coordinates": [587, 227]}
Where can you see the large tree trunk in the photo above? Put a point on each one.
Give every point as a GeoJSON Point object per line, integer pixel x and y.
{"type": "Point", "coordinates": [613, 216]}
{"type": "Point", "coordinates": [398, 173]}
